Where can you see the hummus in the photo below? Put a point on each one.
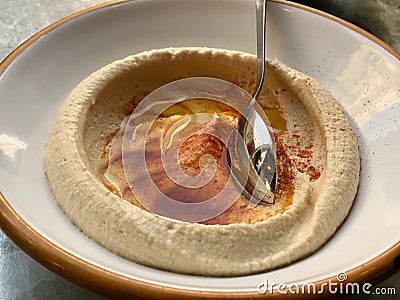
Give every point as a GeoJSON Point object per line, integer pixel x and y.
{"type": "Point", "coordinates": [318, 167]}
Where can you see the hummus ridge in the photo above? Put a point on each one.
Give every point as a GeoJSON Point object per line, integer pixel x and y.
{"type": "Point", "coordinates": [95, 108]}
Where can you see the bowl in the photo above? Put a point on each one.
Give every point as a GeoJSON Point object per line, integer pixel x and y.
{"type": "Point", "coordinates": [359, 70]}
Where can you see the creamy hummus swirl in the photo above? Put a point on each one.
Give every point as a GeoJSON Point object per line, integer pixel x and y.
{"type": "Point", "coordinates": [316, 135]}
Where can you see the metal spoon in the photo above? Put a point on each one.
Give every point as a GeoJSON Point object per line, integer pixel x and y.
{"type": "Point", "coordinates": [257, 141]}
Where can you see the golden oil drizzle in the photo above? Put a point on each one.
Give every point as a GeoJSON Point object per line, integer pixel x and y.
{"type": "Point", "coordinates": [276, 118]}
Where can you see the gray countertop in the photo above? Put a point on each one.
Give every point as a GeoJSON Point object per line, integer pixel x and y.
{"type": "Point", "coordinates": [20, 276]}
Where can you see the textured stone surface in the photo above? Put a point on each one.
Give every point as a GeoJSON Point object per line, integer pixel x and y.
{"type": "Point", "coordinates": [20, 276]}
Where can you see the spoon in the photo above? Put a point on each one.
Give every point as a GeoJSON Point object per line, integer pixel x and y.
{"type": "Point", "coordinates": [257, 141]}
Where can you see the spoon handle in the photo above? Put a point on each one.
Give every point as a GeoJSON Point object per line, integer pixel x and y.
{"type": "Point", "coordinates": [261, 11]}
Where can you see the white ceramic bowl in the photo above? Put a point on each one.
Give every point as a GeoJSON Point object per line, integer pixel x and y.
{"type": "Point", "coordinates": [361, 72]}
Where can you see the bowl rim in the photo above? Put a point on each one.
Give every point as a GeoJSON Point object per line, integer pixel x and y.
{"type": "Point", "coordinates": [109, 283]}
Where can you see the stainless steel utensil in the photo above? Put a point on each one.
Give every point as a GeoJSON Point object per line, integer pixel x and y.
{"type": "Point", "coordinates": [257, 142]}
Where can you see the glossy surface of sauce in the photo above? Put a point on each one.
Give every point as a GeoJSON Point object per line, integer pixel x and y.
{"type": "Point", "coordinates": [194, 139]}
